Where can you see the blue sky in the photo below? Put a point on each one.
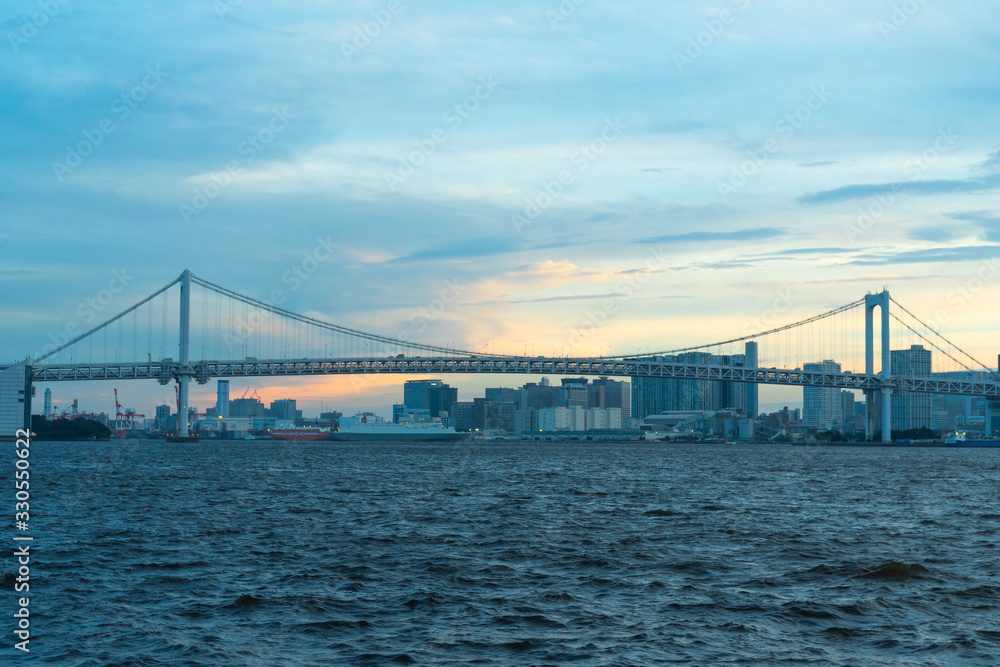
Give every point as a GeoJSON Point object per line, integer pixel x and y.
{"type": "Point", "coordinates": [759, 147]}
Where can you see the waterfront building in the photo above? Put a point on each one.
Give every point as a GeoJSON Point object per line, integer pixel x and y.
{"type": "Point", "coordinates": [651, 396]}
{"type": "Point", "coordinates": [222, 399]}
{"type": "Point", "coordinates": [909, 409]}
{"type": "Point", "coordinates": [432, 395]}
{"type": "Point", "coordinates": [822, 406]}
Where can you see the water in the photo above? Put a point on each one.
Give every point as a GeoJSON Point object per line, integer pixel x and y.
{"type": "Point", "coordinates": [261, 553]}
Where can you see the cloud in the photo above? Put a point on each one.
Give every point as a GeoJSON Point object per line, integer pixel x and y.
{"type": "Point", "coordinates": [482, 246]}
{"type": "Point", "coordinates": [754, 234]}
{"type": "Point", "coordinates": [992, 161]}
{"type": "Point", "coordinates": [848, 192]}
{"type": "Point", "coordinates": [825, 163]}
{"type": "Point", "coordinates": [931, 255]}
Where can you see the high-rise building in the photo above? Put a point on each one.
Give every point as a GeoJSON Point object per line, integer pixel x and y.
{"type": "Point", "coordinates": [461, 416]}
{"type": "Point", "coordinates": [432, 395]}
{"type": "Point", "coordinates": [283, 409]}
{"type": "Point", "coordinates": [222, 399]}
{"type": "Point", "coordinates": [163, 420]}
{"type": "Point", "coordinates": [506, 395]}
{"type": "Point", "coordinates": [48, 404]}
{"type": "Point", "coordinates": [573, 394]}
{"type": "Point", "coordinates": [540, 395]}
{"type": "Point", "coordinates": [821, 406]}
{"type": "Point", "coordinates": [247, 407]}
{"type": "Point", "coordinates": [657, 395]}
{"type": "Point", "coordinates": [614, 394]}
{"type": "Point", "coordinates": [910, 409]}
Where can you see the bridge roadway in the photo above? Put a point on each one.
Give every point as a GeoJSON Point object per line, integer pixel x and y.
{"type": "Point", "coordinates": [168, 370]}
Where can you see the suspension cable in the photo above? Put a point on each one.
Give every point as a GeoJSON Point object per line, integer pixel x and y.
{"type": "Point", "coordinates": [333, 327]}
{"type": "Point", "coordinates": [930, 342]}
{"type": "Point", "coordinates": [903, 308]}
{"type": "Point", "coordinates": [815, 318]}
{"type": "Point", "coordinates": [111, 321]}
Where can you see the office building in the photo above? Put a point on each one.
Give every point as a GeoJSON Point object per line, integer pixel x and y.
{"type": "Point", "coordinates": [822, 407]}
{"type": "Point", "coordinates": [222, 399]}
{"type": "Point", "coordinates": [432, 395]}
{"type": "Point", "coordinates": [283, 409]}
{"type": "Point", "coordinates": [612, 394]}
{"type": "Point", "coordinates": [15, 400]}
{"type": "Point", "coordinates": [909, 409]}
{"type": "Point", "coordinates": [651, 396]}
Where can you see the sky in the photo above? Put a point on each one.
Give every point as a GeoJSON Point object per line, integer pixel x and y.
{"type": "Point", "coordinates": [692, 162]}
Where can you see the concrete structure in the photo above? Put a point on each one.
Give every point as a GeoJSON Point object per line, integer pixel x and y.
{"type": "Point", "coordinates": [614, 394]}
{"type": "Point", "coordinates": [222, 399]}
{"type": "Point", "coordinates": [821, 406]}
{"type": "Point", "coordinates": [163, 421]}
{"type": "Point", "coordinates": [47, 410]}
{"type": "Point", "coordinates": [15, 401]}
{"type": "Point", "coordinates": [432, 395]}
{"type": "Point", "coordinates": [283, 409]}
{"type": "Point", "coordinates": [909, 409]}
{"type": "Point", "coordinates": [880, 301]}
{"type": "Point", "coordinates": [461, 416]}
{"type": "Point", "coordinates": [579, 419]}
{"type": "Point", "coordinates": [653, 395]}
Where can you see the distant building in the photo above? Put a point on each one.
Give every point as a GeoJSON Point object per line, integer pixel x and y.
{"type": "Point", "coordinates": [910, 409]}
{"type": "Point", "coordinates": [48, 404]}
{"type": "Point", "coordinates": [652, 395]}
{"type": "Point", "coordinates": [612, 394]}
{"type": "Point", "coordinates": [282, 409]}
{"type": "Point", "coordinates": [247, 407]}
{"type": "Point", "coordinates": [821, 406]}
{"type": "Point", "coordinates": [461, 416]}
{"type": "Point", "coordinates": [222, 399]}
{"type": "Point", "coordinates": [432, 395]}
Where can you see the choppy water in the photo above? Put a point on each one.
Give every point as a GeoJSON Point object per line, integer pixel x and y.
{"type": "Point", "coordinates": [267, 553]}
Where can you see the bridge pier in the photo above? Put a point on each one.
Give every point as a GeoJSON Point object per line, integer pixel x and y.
{"type": "Point", "coordinates": [184, 374]}
{"type": "Point", "coordinates": [881, 301]}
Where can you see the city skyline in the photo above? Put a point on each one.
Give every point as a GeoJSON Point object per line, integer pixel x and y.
{"type": "Point", "coordinates": [420, 204]}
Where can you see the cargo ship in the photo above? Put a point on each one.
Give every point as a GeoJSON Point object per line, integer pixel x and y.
{"type": "Point", "coordinates": [300, 434]}
{"type": "Point", "coordinates": [371, 428]}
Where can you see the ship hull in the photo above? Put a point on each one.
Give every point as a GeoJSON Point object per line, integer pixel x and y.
{"type": "Point", "coordinates": [300, 435]}
{"type": "Point", "coordinates": [340, 436]}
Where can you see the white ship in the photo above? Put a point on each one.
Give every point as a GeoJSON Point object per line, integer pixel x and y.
{"type": "Point", "coordinates": [372, 428]}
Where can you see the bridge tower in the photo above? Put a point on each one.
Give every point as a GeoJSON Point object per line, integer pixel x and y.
{"type": "Point", "coordinates": [184, 373]}
{"type": "Point", "coordinates": [880, 301]}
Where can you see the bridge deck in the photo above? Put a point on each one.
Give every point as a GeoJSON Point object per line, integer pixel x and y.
{"type": "Point", "coordinates": [167, 370]}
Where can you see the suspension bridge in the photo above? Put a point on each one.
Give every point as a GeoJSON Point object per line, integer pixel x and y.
{"type": "Point", "coordinates": [239, 336]}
